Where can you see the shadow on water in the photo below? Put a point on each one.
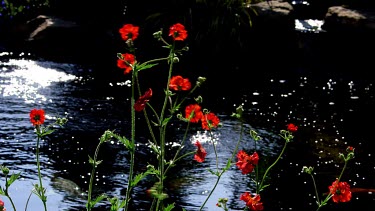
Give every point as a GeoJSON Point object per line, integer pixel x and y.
{"type": "Point", "coordinates": [331, 107]}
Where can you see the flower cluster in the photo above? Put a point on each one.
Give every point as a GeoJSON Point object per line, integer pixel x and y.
{"type": "Point", "coordinates": [247, 163]}
{"type": "Point", "coordinates": [177, 86]}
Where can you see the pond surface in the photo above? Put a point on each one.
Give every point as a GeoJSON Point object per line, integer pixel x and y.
{"type": "Point", "coordinates": [332, 110]}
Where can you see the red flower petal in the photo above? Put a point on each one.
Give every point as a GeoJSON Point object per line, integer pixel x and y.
{"type": "Point", "coordinates": [37, 116]}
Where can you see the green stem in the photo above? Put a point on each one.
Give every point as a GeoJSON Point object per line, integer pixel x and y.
{"type": "Point", "coordinates": [175, 159]}
{"type": "Point", "coordinates": [224, 170]}
{"type": "Point", "coordinates": [41, 190]}
{"type": "Point", "coordinates": [7, 194]}
{"type": "Point", "coordinates": [268, 169]}
{"type": "Point", "coordinates": [130, 179]}
{"type": "Point", "coordinates": [89, 206]}
{"type": "Point", "coordinates": [329, 196]}
{"type": "Point", "coordinates": [162, 129]}
{"type": "Point", "coordinates": [316, 190]}
{"type": "Point", "coordinates": [27, 202]}
{"type": "Point", "coordinates": [213, 189]}
{"type": "Point", "coordinates": [145, 113]}
{"type": "Point", "coordinates": [156, 60]}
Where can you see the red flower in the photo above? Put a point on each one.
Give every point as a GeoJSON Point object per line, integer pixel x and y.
{"type": "Point", "coordinates": [210, 121]}
{"type": "Point", "coordinates": [193, 113]}
{"type": "Point", "coordinates": [292, 128]}
{"type": "Point", "coordinates": [179, 83]}
{"type": "Point", "coordinates": [340, 191]}
{"type": "Point", "coordinates": [2, 205]}
{"type": "Point", "coordinates": [247, 162]}
{"type": "Point", "coordinates": [124, 63]}
{"type": "Point", "coordinates": [140, 104]}
{"type": "Point", "coordinates": [178, 32]}
{"type": "Point", "coordinates": [200, 154]}
{"type": "Point", "coordinates": [129, 31]}
{"type": "Point", "coordinates": [37, 116]}
{"type": "Point", "coordinates": [350, 149]}
{"type": "Point", "coordinates": [253, 203]}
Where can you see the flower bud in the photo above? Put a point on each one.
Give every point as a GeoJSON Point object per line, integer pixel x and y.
{"type": "Point", "coordinates": [200, 80]}
{"type": "Point", "coordinates": [61, 121]}
{"type": "Point", "coordinates": [176, 59]}
{"type": "Point", "coordinates": [157, 34]}
{"type": "Point", "coordinates": [5, 170]}
{"type": "Point", "coordinates": [307, 170]}
{"type": "Point", "coordinates": [199, 99]}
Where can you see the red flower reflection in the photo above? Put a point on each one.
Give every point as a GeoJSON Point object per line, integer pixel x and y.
{"type": "Point", "coordinates": [178, 83]}
{"type": "Point", "coordinates": [201, 153]}
{"type": "Point", "coordinates": [246, 163]}
{"type": "Point", "coordinates": [37, 116]}
{"type": "Point", "coordinates": [292, 128]}
{"type": "Point", "coordinates": [129, 31]}
{"type": "Point", "coordinates": [178, 32]}
{"type": "Point", "coordinates": [140, 104]}
{"type": "Point", "coordinates": [124, 63]}
{"type": "Point", "coordinates": [340, 191]}
{"type": "Point", "coordinates": [253, 203]}
{"type": "Point", "coordinates": [193, 113]}
{"type": "Point", "coordinates": [210, 121]}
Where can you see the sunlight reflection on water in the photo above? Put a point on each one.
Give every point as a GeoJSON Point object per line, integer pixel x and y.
{"type": "Point", "coordinates": [321, 107]}
{"type": "Point", "coordinates": [25, 78]}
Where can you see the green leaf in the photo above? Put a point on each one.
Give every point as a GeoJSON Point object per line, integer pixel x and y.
{"type": "Point", "coordinates": [229, 163]}
{"type": "Point", "coordinates": [139, 177]}
{"type": "Point", "coordinates": [44, 133]}
{"type": "Point", "coordinates": [154, 147]}
{"type": "Point", "coordinates": [2, 192]}
{"type": "Point", "coordinates": [107, 135]}
{"type": "Point", "coordinates": [13, 178]}
{"type": "Point", "coordinates": [20, 8]}
{"type": "Point", "coordinates": [214, 173]}
{"type": "Point", "coordinates": [165, 121]}
{"type": "Point", "coordinates": [91, 161]}
{"type": "Point", "coordinates": [169, 207]}
{"type": "Point", "coordinates": [144, 66]}
{"type": "Point", "coordinates": [97, 200]}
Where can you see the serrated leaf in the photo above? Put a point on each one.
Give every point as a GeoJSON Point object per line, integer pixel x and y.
{"type": "Point", "coordinates": [169, 207]}
{"type": "Point", "coordinates": [138, 178]}
{"type": "Point", "coordinates": [165, 121]}
{"type": "Point", "coordinates": [13, 178]}
{"type": "Point", "coordinates": [212, 172]}
{"type": "Point", "coordinates": [98, 199]}
{"type": "Point", "coordinates": [128, 144]}
{"type": "Point", "coordinates": [91, 161]}
{"type": "Point", "coordinates": [44, 133]}
{"type": "Point", "coordinates": [145, 66]}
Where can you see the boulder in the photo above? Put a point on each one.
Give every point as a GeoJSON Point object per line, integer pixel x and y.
{"type": "Point", "coordinates": [343, 18]}
{"type": "Point", "coordinates": [61, 40]}
{"type": "Point", "coordinates": [273, 15]}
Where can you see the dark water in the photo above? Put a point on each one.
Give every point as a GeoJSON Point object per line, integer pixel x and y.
{"type": "Point", "coordinates": [333, 110]}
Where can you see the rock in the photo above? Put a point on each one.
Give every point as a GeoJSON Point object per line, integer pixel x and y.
{"type": "Point", "coordinates": [60, 40]}
{"type": "Point", "coordinates": [273, 15]}
{"type": "Point", "coordinates": [342, 18]}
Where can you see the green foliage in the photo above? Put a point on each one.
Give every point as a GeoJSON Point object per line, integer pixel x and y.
{"type": "Point", "coordinates": [13, 8]}
{"type": "Point", "coordinates": [207, 19]}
